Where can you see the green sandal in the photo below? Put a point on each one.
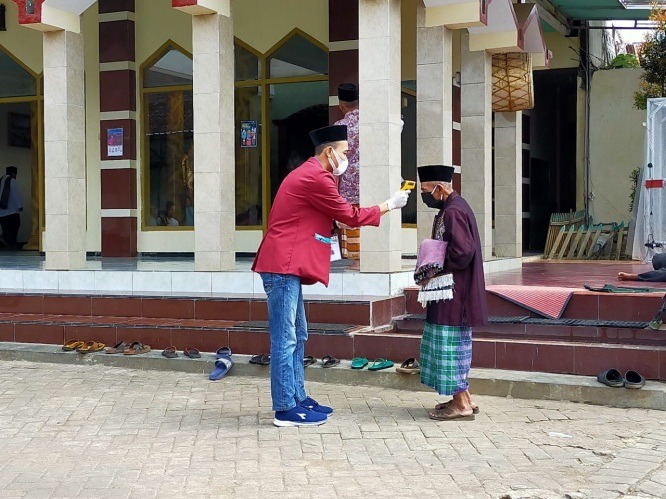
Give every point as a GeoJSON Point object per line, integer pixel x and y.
{"type": "Point", "coordinates": [380, 364]}
{"type": "Point", "coordinates": [359, 362]}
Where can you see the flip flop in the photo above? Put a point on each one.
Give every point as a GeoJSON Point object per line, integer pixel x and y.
{"type": "Point", "coordinates": [359, 362]}
{"type": "Point", "coordinates": [448, 414]}
{"type": "Point", "coordinates": [136, 348]}
{"type": "Point", "coordinates": [475, 408]}
{"type": "Point", "coordinates": [170, 353]}
{"type": "Point", "coordinates": [328, 361]}
{"type": "Point", "coordinates": [611, 377]}
{"type": "Point", "coordinates": [223, 352]}
{"type": "Point", "coordinates": [262, 359]}
{"type": "Point", "coordinates": [90, 347]}
{"type": "Point", "coordinates": [633, 379]}
{"type": "Point", "coordinates": [410, 366]}
{"type": "Point", "coordinates": [72, 345]}
{"type": "Point", "coordinates": [192, 353]}
{"type": "Point", "coordinates": [309, 360]}
{"type": "Point", "coordinates": [222, 367]}
{"type": "Point", "coordinates": [379, 364]}
{"type": "Point", "coordinates": [117, 348]}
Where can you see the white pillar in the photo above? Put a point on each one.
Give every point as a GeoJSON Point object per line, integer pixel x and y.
{"type": "Point", "coordinates": [64, 151]}
{"type": "Point", "coordinates": [434, 131]}
{"type": "Point", "coordinates": [476, 131]}
{"type": "Point", "coordinates": [379, 87]}
{"type": "Point", "coordinates": [508, 184]}
{"type": "Point", "coordinates": [214, 158]}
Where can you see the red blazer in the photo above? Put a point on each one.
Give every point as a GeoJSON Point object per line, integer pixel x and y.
{"type": "Point", "coordinates": [300, 221]}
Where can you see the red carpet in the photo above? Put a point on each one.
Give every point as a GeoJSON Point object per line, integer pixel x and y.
{"type": "Point", "coordinates": [549, 302]}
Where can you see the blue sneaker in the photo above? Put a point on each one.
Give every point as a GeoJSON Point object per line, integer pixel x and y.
{"type": "Point", "coordinates": [313, 405]}
{"type": "Point", "coordinates": [299, 416]}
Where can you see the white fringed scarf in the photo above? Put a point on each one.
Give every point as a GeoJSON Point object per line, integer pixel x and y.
{"type": "Point", "coordinates": [439, 288]}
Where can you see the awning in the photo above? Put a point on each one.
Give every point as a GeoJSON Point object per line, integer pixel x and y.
{"type": "Point", "coordinates": [602, 10]}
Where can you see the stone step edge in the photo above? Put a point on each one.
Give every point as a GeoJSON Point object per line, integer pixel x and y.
{"type": "Point", "coordinates": [492, 382]}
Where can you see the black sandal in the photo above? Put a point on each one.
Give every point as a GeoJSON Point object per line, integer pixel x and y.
{"type": "Point", "coordinates": [309, 360]}
{"type": "Point", "coordinates": [329, 361]}
{"type": "Point", "coordinates": [261, 359]}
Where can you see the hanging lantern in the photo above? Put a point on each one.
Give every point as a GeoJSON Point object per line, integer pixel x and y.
{"type": "Point", "coordinates": [513, 88]}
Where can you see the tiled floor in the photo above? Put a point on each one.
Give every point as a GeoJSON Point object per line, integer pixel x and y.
{"type": "Point", "coordinates": [31, 260]}
{"type": "Point", "coordinates": [572, 274]}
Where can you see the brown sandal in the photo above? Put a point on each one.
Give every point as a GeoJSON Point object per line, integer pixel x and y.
{"type": "Point", "coordinates": [72, 345]}
{"type": "Point", "coordinates": [439, 407]}
{"type": "Point", "coordinates": [117, 348]}
{"type": "Point", "coordinates": [136, 348]}
{"type": "Point", "coordinates": [448, 414]}
{"type": "Point", "coordinates": [90, 346]}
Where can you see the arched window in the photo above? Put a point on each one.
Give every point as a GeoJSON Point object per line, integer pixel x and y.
{"type": "Point", "coordinates": [280, 97]}
{"type": "Point", "coordinates": [296, 56]}
{"type": "Point", "coordinates": [297, 78]}
{"type": "Point", "coordinates": [168, 139]}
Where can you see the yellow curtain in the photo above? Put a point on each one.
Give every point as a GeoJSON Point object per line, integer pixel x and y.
{"type": "Point", "coordinates": [175, 153]}
{"type": "Point", "coordinates": [35, 179]}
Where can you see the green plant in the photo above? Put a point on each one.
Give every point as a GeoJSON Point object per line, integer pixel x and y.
{"type": "Point", "coordinates": [633, 177]}
{"type": "Point", "coordinates": [625, 61]}
{"type": "Point", "coordinates": [653, 61]}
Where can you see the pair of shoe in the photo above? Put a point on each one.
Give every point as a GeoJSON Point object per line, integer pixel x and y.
{"type": "Point", "coordinates": [326, 361]}
{"type": "Point", "coordinates": [223, 364]}
{"type": "Point", "coordinates": [261, 359]}
{"type": "Point", "coordinates": [172, 352]}
{"type": "Point", "coordinates": [377, 364]}
{"type": "Point", "coordinates": [82, 346]}
{"type": "Point", "coordinates": [614, 379]}
{"type": "Point", "coordinates": [134, 348]}
{"type": "Point", "coordinates": [308, 413]}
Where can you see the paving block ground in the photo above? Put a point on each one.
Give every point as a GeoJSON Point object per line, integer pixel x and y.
{"type": "Point", "coordinates": [94, 431]}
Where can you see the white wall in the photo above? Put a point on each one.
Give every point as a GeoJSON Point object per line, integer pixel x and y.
{"type": "Point", "coordinates": [617, 139]}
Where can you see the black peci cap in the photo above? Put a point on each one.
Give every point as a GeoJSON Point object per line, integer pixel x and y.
{"type": "Point", "coordinates": [334, 133]}
{"type": "Point", "coordinates": [347, 92]}
{"type": "Point", "coordinates": [435, 173]}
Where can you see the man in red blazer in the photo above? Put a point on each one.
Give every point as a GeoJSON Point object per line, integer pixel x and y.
{"type": "Point", "coordinates": [296, 250]}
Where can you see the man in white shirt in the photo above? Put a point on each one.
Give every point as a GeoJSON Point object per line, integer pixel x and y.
{"type": "Point", "coordinates": [10, 207]}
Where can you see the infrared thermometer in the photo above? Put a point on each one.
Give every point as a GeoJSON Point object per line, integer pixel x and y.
{"type": "Point", "coordinates": [408, 185]}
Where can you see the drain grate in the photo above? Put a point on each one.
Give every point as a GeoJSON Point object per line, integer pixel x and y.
{"type": "Point", "coordinates": [568, 322]}
{"type": "Point", "coordinates": [312, 326]}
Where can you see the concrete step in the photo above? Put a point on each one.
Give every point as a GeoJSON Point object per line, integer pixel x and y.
{"type": "Point", "coordinates": [362, 310]}
{"type": "Point", "coordinates": [493, 382]}
{"type": "Point", "coordinates": [582, 305]}
{"type": "Point", "coordinates": [586, 333]}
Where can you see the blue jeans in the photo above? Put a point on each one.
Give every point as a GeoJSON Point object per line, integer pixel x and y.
{"type": "Point", "coordinates": [289, 332]}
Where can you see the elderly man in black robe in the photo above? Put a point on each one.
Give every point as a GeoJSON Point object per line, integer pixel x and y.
{"type": "Point", "coordinates": [446, 348]}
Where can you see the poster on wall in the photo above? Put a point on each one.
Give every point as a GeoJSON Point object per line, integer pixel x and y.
{"type": "Point", "coordinates": [248, 134]}
{"type": "Point", "coordinates": [114, 141]}
{"type": "Point", "coordinates": [19, 130]}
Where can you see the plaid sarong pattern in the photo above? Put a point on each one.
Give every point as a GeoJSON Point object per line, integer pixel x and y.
{"type": "Point", "coordinates": [446, 357]}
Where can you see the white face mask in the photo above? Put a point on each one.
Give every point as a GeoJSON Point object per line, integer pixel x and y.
{"type": "Point", "coordinates": [342, 164]}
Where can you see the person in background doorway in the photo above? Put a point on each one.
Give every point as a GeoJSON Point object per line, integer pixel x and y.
{"type": "Point", "coordinates": [446, 346]}
{"type": "Point", "coordinates": [350, 238]}
{"type": "Point", "coordinates": [296, 250]}
{"type": "Point", "coordinates": [11, 206]}
{"type": "Point", "coordinates": [153, 218]}
{"type": "Point", "coordinates": [171, 214]}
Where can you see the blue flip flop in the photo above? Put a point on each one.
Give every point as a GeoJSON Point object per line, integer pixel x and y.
{"type": "Point", "coordinates": [222, 366]}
